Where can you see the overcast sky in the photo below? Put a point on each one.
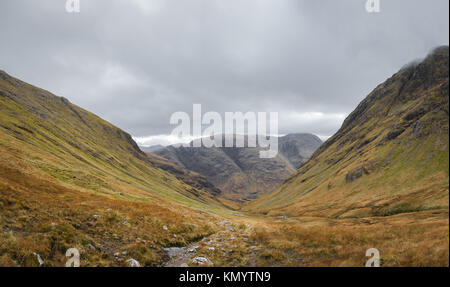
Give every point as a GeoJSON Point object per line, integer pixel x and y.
{"type": "Point", "coordinates": [135, 62]}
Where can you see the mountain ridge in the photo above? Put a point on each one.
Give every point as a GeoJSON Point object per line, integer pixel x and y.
{"type": "Point", "coordinates": [239, 172]}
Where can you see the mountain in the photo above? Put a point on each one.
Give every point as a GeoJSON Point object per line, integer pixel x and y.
{"type": "Point", "coordinates": [70, 179]}
{"type": "Point", "coordinates": [298, 148]}
{"type": "Point", "coordinates": [239, 172]}
{"type": "Point", "coordinates": [391, 155]}
{"type": "Point", "coordinates": [189, 177]}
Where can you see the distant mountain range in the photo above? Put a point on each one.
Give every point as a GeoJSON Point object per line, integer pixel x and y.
{"type": "Point", "coordinates": [390, 156]}
{"type": "Point", "coordinates": [239, 172]}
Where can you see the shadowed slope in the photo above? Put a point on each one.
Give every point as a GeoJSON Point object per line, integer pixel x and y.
{"type": "Point", "coordinates": [240, 173]}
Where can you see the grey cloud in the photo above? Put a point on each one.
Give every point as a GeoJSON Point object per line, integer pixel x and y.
{"type": "Point", "coordinates": [136, 62]}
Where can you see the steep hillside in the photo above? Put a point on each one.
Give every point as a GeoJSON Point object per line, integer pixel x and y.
{"type": "Point", "coordinates": [78, 147]}
{"type": "Point", "coordinates": [189, 177]}
{"type": "Point", "coordinates": [239, 172]}
{"type": "Point", "coordinates": [71, 179]}
{"type": "Point", "coordinates": [391, 155]}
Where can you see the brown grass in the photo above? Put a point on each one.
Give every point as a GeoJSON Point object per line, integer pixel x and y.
{"type": "Point", "coordinates": [420, 239]}
{"type": "Point", "coordinates": [40, 215]}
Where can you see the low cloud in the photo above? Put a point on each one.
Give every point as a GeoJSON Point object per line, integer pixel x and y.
{"type": "Point", "coordinates": [164, 140]}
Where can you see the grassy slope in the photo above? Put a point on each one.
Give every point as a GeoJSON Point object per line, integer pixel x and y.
{"type": "Point", "coordinates": [60, 165]}
{"type": "Point", "coordinates": [381, 182]}
{"type": "Point", "coordinates": [390, 156]}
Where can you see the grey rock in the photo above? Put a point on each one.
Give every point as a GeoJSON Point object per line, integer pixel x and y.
{"type": "Point", "coordinates": [202, 261]}
{"type": "Point", "coordinates": [39, 259]}
{"type": "Point", "coordinates": [133, 263]}
{"type": "Point", "coordinates": [175, 251]}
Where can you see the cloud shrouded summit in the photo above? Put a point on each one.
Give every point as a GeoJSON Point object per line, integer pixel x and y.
{"type": "Point", "coordinates": [136, 62]}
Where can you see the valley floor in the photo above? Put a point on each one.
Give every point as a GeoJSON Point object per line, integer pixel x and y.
{"type": "Point", "coordinates": [40, 216]}
{"type": "Point", "coordinates": [412, 239]}
{"type": "Point", "coordinates": [109, 233]}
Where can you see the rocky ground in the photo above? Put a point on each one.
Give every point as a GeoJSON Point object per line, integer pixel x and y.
{"type": "Point", "coordinates": [224, 247]}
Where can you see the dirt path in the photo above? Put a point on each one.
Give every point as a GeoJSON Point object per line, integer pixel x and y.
{"type": "Point", "coordinates": [225, 247]}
